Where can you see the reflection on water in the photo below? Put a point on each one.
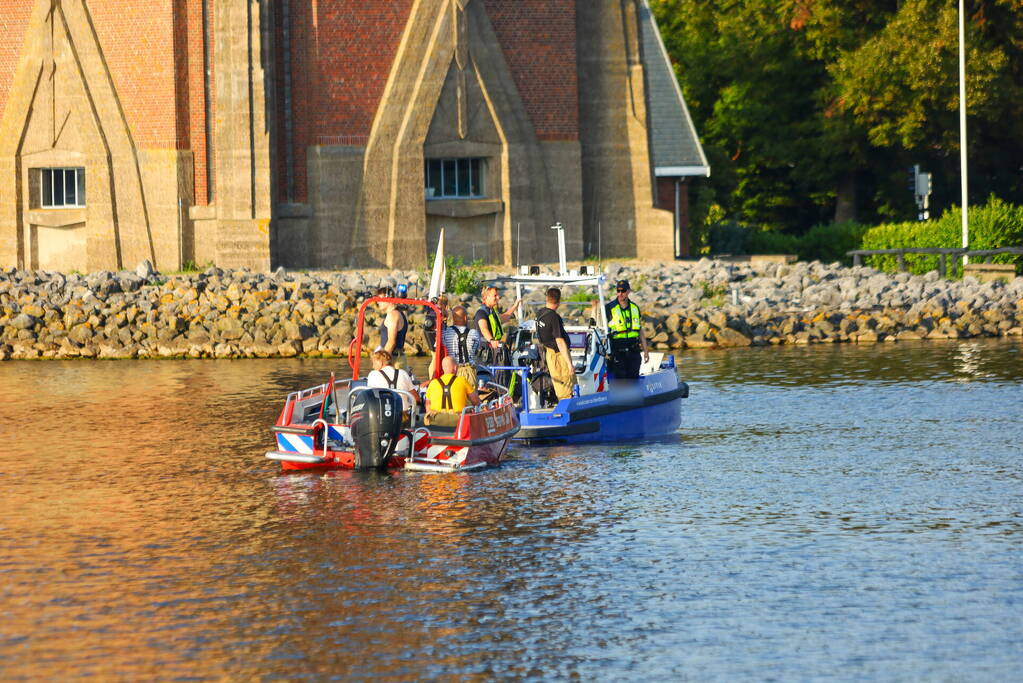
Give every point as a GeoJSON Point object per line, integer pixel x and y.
{"type": "Point", "coordinates": [842, 511]}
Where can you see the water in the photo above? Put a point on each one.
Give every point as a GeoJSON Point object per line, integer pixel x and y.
{"type": "Point", "coordinates": [825, 512]}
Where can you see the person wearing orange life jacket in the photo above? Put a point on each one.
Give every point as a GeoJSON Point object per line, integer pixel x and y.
{"type": "Point", "coordinates": [625, 329]}
{"type": "Point", "coordinates": [447, 396]}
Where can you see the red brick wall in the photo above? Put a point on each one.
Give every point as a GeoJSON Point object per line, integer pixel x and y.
{"type": "Point", "coordinates": [137, 39]}
{"type": "Point", "coordinates": [14, 18]}
{"type": "Point", "coordinates": [538, 40]}
{"type": "Point", "coordinates": [195, 111]}
{"type": "Point", "coordinates": [342, 51]}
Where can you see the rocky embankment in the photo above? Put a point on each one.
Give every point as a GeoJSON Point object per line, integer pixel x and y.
{"type": "Point", "coordinates": [235, 314]}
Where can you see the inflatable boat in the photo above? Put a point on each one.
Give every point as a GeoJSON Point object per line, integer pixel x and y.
{"type": "Point", "coordinates": [345, 424]}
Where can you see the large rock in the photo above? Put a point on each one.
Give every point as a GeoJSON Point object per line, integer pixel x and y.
{"type": "Point", "coordinates": [145, 270]}
{"type": "Point", "coordinates": [24, 321]}
{"type": "Point", "coordinates": [727, 337]}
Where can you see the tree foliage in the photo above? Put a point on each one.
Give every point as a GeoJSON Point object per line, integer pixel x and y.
{"type": "Point", "coordinates": [804, 105]}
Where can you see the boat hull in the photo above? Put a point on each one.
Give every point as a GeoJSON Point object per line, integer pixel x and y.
{"type": "Point", "coordinates": [649, 408]}
{"type": "Point", "coordinates": [480, 440]}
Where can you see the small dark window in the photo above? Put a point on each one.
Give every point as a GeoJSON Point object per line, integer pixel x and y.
{"type": "Point", "coordinates": [62, 188]}
{"type": "Point", "coordinates": [454, 178]}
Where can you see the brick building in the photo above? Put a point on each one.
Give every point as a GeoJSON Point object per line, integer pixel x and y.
{"type": "Point", "coordinates": [331, 133]}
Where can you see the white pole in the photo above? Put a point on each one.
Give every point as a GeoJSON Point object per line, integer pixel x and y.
{"type": "Point", "coordinates": [562, 265]}
{"type": "Point", "coordinates": [518, 244]}
{"type": "Point", "coordinates": [962, 127]}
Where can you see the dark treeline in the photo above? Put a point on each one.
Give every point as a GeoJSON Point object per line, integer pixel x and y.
{"type": "Point", "coordinates": [811, 111]}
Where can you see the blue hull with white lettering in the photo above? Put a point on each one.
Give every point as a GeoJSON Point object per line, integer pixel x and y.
{"type": "Point", "coordinates": [649, 407]}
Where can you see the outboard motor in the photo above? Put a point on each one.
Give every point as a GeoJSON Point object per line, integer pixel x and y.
{"type": "Point", "coordinates": [376, 426]}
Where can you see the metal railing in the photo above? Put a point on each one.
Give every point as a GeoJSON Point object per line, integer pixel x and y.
{"type": "Point", "coordinates": [941, 252]}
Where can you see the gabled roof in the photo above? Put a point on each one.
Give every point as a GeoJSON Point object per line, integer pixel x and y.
{"type": "Point", "coordinates": [674, 146]}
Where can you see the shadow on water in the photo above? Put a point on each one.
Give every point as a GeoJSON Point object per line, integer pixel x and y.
{"type": "Point", "coordinates": [825, 511]}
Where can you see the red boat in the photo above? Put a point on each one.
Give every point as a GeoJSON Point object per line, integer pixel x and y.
{"type": "Point", "coordinates": [345, 424]}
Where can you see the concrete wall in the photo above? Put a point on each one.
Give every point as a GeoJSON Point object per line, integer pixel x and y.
{"type": "Point", "coordinates": [618, 195]}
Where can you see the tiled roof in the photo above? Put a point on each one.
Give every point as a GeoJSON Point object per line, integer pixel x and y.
{"type": "Point", "coordinates": [674, 146]}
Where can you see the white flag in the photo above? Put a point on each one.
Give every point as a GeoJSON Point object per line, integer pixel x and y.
{"type": "Point", "coordinates": [440, 273]}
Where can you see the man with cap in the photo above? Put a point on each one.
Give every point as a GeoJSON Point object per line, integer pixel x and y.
{"type": "Point", "coordinates": [625, 329]}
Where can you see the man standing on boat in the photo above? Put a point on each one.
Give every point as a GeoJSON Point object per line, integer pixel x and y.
{"type": "Point", "coordinates": [489, 321]}
{"type": "Point", "coordinates": [393, 329]}
{"type": "Point", "coordinates": [625, 328]}
{"type": "Point", "coordinates": [461, 343]}
{"type": "Point", "coordinates": [551, 332]}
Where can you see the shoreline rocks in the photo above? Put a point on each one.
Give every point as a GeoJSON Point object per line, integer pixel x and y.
{"type": "Point", "coordinates": [703, 304]}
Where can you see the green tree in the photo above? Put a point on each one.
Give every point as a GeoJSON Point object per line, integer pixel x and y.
{"type": "Point", "coordinates": [811, 110]}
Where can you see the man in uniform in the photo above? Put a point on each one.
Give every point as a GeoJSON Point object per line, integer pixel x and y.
{"type": "Point", "coordinates": [550, 329]}
{"type": "Point", "coordinates": [625, 328]}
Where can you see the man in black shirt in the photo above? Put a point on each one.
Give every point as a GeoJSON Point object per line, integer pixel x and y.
{"type": "Point", "coordinates": [550, 330]}
{"type": "Point", "coordinates": [489, 320]}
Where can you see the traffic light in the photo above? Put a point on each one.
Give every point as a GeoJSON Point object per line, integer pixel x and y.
{"type": "Point", "coordinates": [923, 185]}
{"type": "Point", "coordinates": [911, 175]}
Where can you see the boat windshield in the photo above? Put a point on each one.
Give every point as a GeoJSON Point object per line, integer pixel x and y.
{"type": "Point", "coordinates": [577, 340]}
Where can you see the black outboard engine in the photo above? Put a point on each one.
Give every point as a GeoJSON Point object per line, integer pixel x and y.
{"type": "Point", "coordinates": [376, 426]}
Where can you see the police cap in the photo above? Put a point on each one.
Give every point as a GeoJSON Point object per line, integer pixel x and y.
{"type": "Point", "coordinates": [623, 286]}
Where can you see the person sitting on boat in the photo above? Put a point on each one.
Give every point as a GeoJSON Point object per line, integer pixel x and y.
{"type": "Point", "coordinates": [447, 396]}
{"type": "Point", "coordinates": [554, 339]}
{"type": "Point", "coordinates": [386, 376]}
{"type": "Point", "coordinates": [393, 329]}
{"type": "Point", "coordinates": [489, 319]}
{"type": "Point", "coordinates": [625, 328]}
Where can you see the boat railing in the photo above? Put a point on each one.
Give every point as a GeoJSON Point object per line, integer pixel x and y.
{"type": "Point", "coordinates": [523, 373]}
{"type": "Point", "coordinates": [413, 405]}
{"type": "Point", "coordinates": [483, 407]}
{"type": "Point", "coordinates": [326, 436]}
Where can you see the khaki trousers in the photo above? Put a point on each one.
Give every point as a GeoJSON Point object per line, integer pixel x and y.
{"type": "Point", "coordinates": [468, 373]}
{"type": "Point", "coordinates": [443, 418]}
{"type": "Point", "coordinates": [562, 374]}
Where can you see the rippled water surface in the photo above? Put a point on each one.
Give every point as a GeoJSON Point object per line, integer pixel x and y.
{"type": "Point", "coordinates": [838, 512]}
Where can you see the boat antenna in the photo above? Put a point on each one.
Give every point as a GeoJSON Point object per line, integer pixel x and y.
{"type": "Point", "coordinates": [561, 248]}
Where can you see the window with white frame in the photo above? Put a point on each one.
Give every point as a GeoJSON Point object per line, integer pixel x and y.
{"type": "Point", "coordinates": [61, 188]}
{"type": "Point", "coordinates": [455, 178]}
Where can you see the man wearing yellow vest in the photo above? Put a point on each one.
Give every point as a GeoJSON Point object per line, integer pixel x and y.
{"type": "Point", "coordinates": [489, 319]}
{"type": "Point", "coordinates": [625, 328]}
{"type": "Point", "coordinates": [447, 396]}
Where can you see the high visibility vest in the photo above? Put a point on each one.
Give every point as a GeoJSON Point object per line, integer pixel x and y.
{"type": "Point", "coordinates": [495, 325]}
{"type": "Point", "coordinates": [625, 323]}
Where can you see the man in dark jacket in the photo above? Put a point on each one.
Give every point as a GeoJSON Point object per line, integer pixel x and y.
{"type": "Point", "coordinates": [625, 328]}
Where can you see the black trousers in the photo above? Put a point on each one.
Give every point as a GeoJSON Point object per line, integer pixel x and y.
{"type": "Point", "coordinates": [625, 360]}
